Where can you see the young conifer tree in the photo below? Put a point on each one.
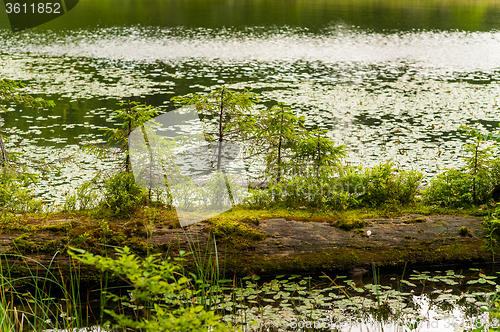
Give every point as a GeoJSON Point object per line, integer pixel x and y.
{"type": "Point", "coordinates": [317, 151]}
{"type": "Point", "coordinates": [279, 133]}
{"type": "Point", "coordinates": [231, 111]}
{"type": "Point", "coordinates": [122, 195]}
{"type": "Point", "coordinates": [134, 115]}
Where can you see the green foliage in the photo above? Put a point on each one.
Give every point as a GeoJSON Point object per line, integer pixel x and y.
{"type": "Point", "coordinates": [383, 183]}
{"type": "Point", "coordinates": [323, 192]}
{"type": "Point", "coordinates": [471, 184]}
{"type": "Point", "coordinates": [477, 164]}
{"type": "Point", "coordinates": [164, 299]}
{"type": "Point", "coordinates": [122, 196]}
{"type": "Point", "coordinates": [279, 133]}
{"type": "Point", "coordinates": [258, 199]}
{"type": "Point", "coordinates": [451, 189]}
{"type": "Point", "coordinates": [14, 176]}
{"type": "Point", "coordinates": [230, 110]}
{"type": "Point", "coordinates": [116, 196]}
{"type": "Point", "coordinates": [317, 151]}
{"type": "Point", "coordinates": [11, 92]}
{"type": "Point", "coordinates": [27, 301]}
{"type": "Point", "coordinates": [491, 225]}
{"type": "Point", "coordinates": [161, 298]}
{"type": "Point", "coordinates": [15, 194]}
{"type": "Point", "coordinates": [133, 116]}
{"type": "Point", "coordinates": [289, 149]}
{"type": "Point", "coordinates": [85, 198]}
{"type": "Point", "coordinates": [339, 188]}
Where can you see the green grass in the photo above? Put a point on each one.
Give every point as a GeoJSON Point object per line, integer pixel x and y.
{"type": "Point", "coordinates": [40, 299]}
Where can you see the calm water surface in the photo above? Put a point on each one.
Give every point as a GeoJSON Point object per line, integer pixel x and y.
{"type": "Point", "coordinates": [389, 79]}
{"type": "Point", "coordinates": [446, 301]}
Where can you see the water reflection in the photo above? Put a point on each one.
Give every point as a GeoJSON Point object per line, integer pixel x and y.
{"type": "Point", "coordinates": [342, 52]}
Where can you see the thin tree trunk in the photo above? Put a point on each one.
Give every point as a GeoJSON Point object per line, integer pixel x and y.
{"type": "Point", "coordinates": [150, 152]}
{"type": "Point", "coordinates": [3, 153]}
{"type": "Point", "coordinates": [127, 159]}
{"type": "Point", "coordinates": [278, 178]}
{"type": "Point", "coordinates": [319, 158]}
{"type": "Point", "coordinates": [221, 131]}
{"type": "Point", "coordinates": [219, 152]}
{"type": "Point", "coordinates": [475, 173]}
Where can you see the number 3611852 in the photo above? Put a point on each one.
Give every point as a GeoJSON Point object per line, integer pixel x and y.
{"type": "Point", "coordinates": [40, 8]}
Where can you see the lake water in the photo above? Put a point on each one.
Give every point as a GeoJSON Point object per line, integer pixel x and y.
{"type": "Point", "coordinates": [451, 300]}
{"type": "Point", "coordinates": [389, 79]}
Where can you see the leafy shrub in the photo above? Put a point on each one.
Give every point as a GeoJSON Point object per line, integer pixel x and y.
{"type": "Point", "coordinates": [341, 188]}
{"type": "Point", "coordinates": [383, 183]}
{"type": "Point", "coordinates": [452, 189]}
{"type": "Point", "coordinates": [162, 299]}
{"type": "Point", "coordinates": [258, 198]}
{"type": "Point", "coordinates": [15, 195]}
{"type": "Point", "coordinates": [407, 183]}
{"type": "Point", "coordinates": [85, 198]}
{"type": "Point", "coordinates": [473, 183]}
{"type": "Point", "coordinates": [491, 225]}
{"type": "Point", "coordinates": [122, 196]}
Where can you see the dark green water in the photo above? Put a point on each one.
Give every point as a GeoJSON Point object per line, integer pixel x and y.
{"type": "Point", "coordinates": [389, 79]}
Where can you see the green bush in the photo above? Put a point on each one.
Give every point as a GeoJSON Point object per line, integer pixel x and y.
{"type": "Point", "coordinates": [15, 195]}
{"type": "Point", "coordinates": [383, 183]}
{"type": "Point", "coordinates": [491, 226]}
{"type": "Point", "coordinates": [258, 198]}
{"type": "Point", "coordinates": [407, 185]}
{"type": "Point", "coordinates": [454, 189]}
{"type": "Point", "coordinates": [341, 188]}
{"type": "Point", "coordinates": [315, 192]}
{"type": "Point", "coordinates": [122, 197]}
{"type": "Point", "coordinates": [473, 183]}
{"type": "Point", "coordinates": [85, 198]}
